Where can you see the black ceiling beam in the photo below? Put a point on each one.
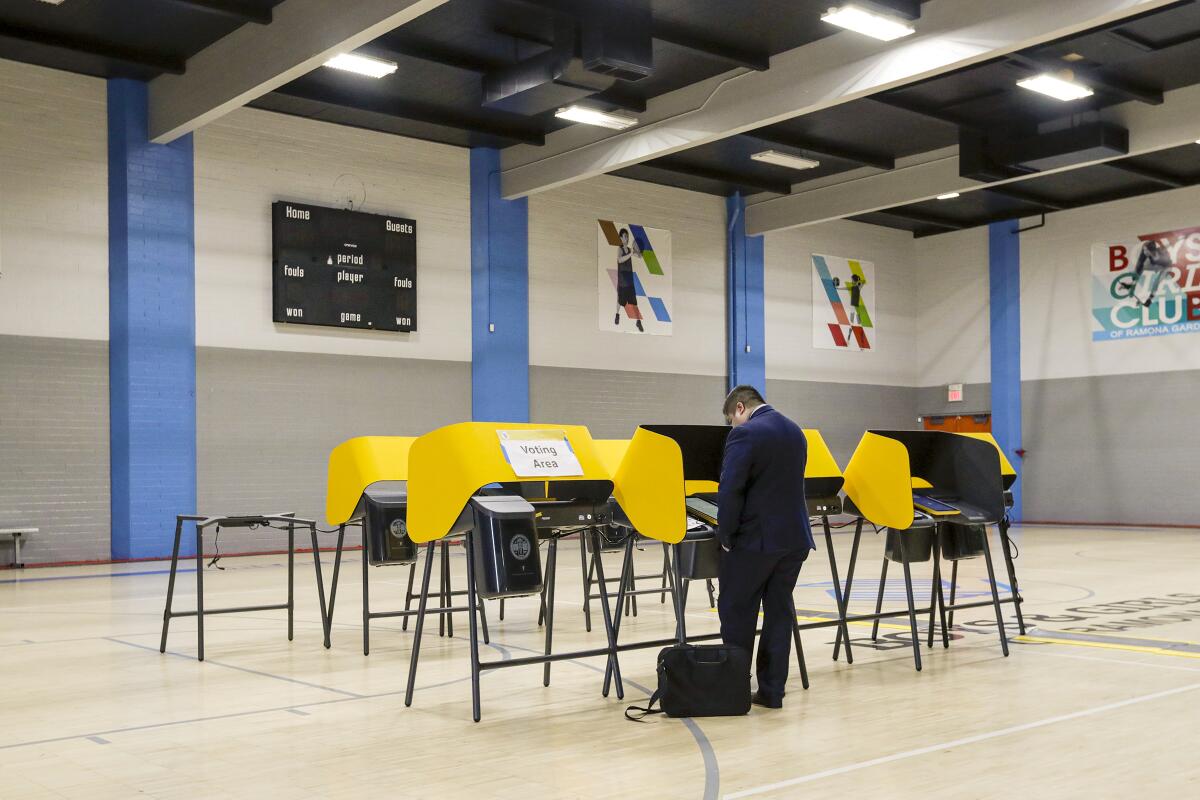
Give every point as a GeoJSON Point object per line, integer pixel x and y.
{"type": "Point", "coordinates": [852, 155]}
{"type": "Point", "coordinates": [433, 52]}
{"type": "Point", "coordinates": [1148, 46]}
{"type": "Point", "coordinates": [415, 112]}
{"type": "Point", "coordinates": [720, 176]}
{"type": "Point", "coordinates": [235, 9]}
{"type": "Point", "coordinates": [1005, 190]}
{"type": "Point", "coordinates": [721, 51]}
{"type": "Point", "coordinates": [662, 31]}
{"type": "Point", "coordinates": [141, 59]}
{"type": "Point", "coordinates": [947, 117]}
{"type": "Point", "coordinates": [1096, 78]}
{"type": "Point", "coordinates": [1152, 175]}
{"type": "Point", "coordinates": [923, 219]}
{"type": "Point", "coordinates": [624, 100]}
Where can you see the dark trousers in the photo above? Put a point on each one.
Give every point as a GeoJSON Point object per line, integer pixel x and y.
{"type": "Point", "coordinates": [750, 578]}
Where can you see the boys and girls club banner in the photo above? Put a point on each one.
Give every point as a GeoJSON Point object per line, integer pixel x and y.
{"type": "Point", "coordinates": [1148, 286]}
{"type": "Point", "coordinates": [633, 270]}
{"type": "Point", "coordinates": [843, 303]}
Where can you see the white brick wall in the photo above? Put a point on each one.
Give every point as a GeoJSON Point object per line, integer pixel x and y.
{"type": "Point", "coordinates": [563, 329]}
{"type": "Point", "coordinates": [53, 204]}
{"type": "Point", "coordinates": [250, 158]}
{"type": "Point", "coordinates": [790, 352]}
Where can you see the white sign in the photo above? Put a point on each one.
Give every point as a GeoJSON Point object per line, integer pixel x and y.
{"type": "Point", "coordinates": [539, 454]}
{"type": "Point", "coordinates": [954, 393]}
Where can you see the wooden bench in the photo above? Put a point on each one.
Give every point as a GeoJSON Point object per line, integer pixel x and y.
{"type": "Point", "coordinates": [17, 534]}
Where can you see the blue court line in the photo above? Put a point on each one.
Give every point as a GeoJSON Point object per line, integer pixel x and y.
{"type": "Point", "coordinates": [98, 575]}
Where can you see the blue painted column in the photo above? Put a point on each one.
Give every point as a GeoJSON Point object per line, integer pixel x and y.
{"type": "Point", "coordinates": [152, 329]}
{"type": "Point", "coordinates": [1004, 273]}
{"type": "Point", "coordinates": [746, 335]}
{"type": "Point", "coordinates": [499, 296]}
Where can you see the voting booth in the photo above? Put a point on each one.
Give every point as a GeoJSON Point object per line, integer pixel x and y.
{"type": "Point", "coordinates": [924, 488]}
{"type": "Point", "coordinates": [368, 487]}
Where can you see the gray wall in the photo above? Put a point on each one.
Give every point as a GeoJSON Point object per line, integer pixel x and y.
{"type": "Point", "coordinates": [612, 404]}
{"type": "Point", "coordinates": [843, 411]}
{"type": "Point", "coordinates": [54, 447]}
{"type": "Point", "coordinates": [267, 421]}
{"type": "Point", "coordinates": [977, 399]}
{"type": "Point", "coordinates": [1117, 448]}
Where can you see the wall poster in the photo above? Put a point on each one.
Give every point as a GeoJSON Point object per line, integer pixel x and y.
{"type": "Point", "coordinates": [633, 268]}
{"type": "Point", "coordinates": [1146, 286]}
{"type": "Point", "coordinates": [843, 303]}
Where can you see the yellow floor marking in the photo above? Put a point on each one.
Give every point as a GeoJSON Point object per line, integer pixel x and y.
{"type": "Point", "coordinates": [1131, 636]}
{"type": "Point", "coordinates": [1133, 648]}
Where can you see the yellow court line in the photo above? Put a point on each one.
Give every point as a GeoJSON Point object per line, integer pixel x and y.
{"type": "Point", "coordinates": [854, 622]}
{"type": "Point", "coordinates": [1128, 636]}
{"type": "Point", "coordinates": [1133, 648]}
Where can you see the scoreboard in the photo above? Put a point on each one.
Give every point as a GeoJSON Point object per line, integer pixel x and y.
{"type": "Point", "coordinates": [344, 269]}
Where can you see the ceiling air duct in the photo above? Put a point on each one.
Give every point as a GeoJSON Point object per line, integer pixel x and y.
{"type": "Point", "coordinates": [608, 41]}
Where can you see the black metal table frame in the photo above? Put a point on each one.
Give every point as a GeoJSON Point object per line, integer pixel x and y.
{"type": "Point", "coordinates": [445, 611]}
{"type": "Point", "coordinates": [938, 605]}
{"type": "Point", "coordinates": [203, 522]}
{"type": "Point", "coordinates": [478, 666]}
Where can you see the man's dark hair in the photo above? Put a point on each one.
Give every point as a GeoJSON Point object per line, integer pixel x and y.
{"type": "Point", "coordinates": [746, 395]}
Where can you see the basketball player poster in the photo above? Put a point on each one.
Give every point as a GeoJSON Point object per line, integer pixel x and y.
{"type": "Point", "coordinates": [633, 269]}
{"type": "Point", "coordinates": [1148, 285]}
{"type": "Point", "coordinates": [843, 304]}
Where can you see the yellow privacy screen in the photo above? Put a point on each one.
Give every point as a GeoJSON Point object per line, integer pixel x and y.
{"type": "Point", "coordinates": [649, 486]}
{"type": "Point", "coordinates": [447, 466]}
{"type": "Point", "coordinates": [820, 460]}
{"type": "Point", "coordinates": [356, 464]}
{"type": "Point", "coordinates": [879, 482]}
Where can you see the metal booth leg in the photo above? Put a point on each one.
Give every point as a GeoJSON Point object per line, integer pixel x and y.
{"type": "Point", "coordinates": [333, 582]}
{"type": "Point", "coordinates": [472, 600]}
{"type": "Point", "coordinates": [199, 592]}
{"type": "Point", "coordinates": [587, 582]}
{"type": "Point", "coordinates": [610, 629]}
{"type": "Point", "coordinates": [837, 589]}
{"type": "Point", "coordinates": [366, 604]}
{"type": "Point", "coordinates": [662, 598]}
{"type": "Point", "coordinates": [326, 618]}
{"type": "Point", "coordinates": [483, 623]}
{"type": "Point", "coordinates": [912, 614]}
{"type": "Point", "coordinates": [162, 645]}
{"type": "Point", "coordinates": [422, 603]}
{"type": "Point", "coordinates": [1006, 546]}
{"type": "Point", "coordinates": [626, 568]}
{"type": "Point", "coordinates": [712, 595]}
{"type": "Point", "coordinates": [449, 588]}
{"type": "Point", "coordinates": [292, 582]}
{"type": "Point", "coordinates": [933, 587]}
{"type": "Point", "coordinates": [551, 564]}
{"type": "Point", "coordinates": [502, 609]}
{"type": "Point", "coordinates": [408, 592]}
{"type": "Point", "coordinates": [846, 594]}
{"type": "Point", "coordinates": [953, 587]}
{"type": "Point", "coordinates": [799, 649]}
{"type": "Point", "coordinates": [987, 557]}
{"type": "Point", "coordinates": [443, 601]}
{"type": "Point", "coordinates": [879, 601]}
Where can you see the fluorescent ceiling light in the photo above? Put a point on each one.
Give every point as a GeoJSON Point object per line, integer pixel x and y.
{"type": "Point", "coordinates": [868, 23]}
{"type": "Point", "coordinates": [362, 65]}
{"type": "Point", "coordinates": [947, 196]}
{"type": "Point", "coordinates": [1060, 88]}
{"type": "Point", "coordinates": [592, 116]}
{"type": "Point", "coordinates": [785, 160]}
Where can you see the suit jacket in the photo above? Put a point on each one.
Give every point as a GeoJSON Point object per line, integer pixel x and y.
{"type": "Point", "coordinates": [761, 503]}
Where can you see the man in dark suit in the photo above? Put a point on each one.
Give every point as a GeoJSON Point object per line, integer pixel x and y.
{"type": "Point", "coordinates": [764, 533]}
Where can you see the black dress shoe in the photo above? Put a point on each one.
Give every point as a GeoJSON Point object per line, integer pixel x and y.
{"type": "Point", "coordinates": [766, 700]}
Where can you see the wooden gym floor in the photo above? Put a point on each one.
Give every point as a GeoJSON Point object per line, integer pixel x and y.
{"type": "Point", "coordinates": [1101, 700]}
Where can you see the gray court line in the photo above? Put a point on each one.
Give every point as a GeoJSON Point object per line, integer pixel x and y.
{"type": "Point", "coordinates": [98, 740]}
{"type": "Point", "coordinates": [241, 669]}
{"type": "Point", "coordinates": [966, 740]}
{"type": "Point", "coordinates": [1158, 644]}
{"type": "Point", "coordinates": [233, 715]}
